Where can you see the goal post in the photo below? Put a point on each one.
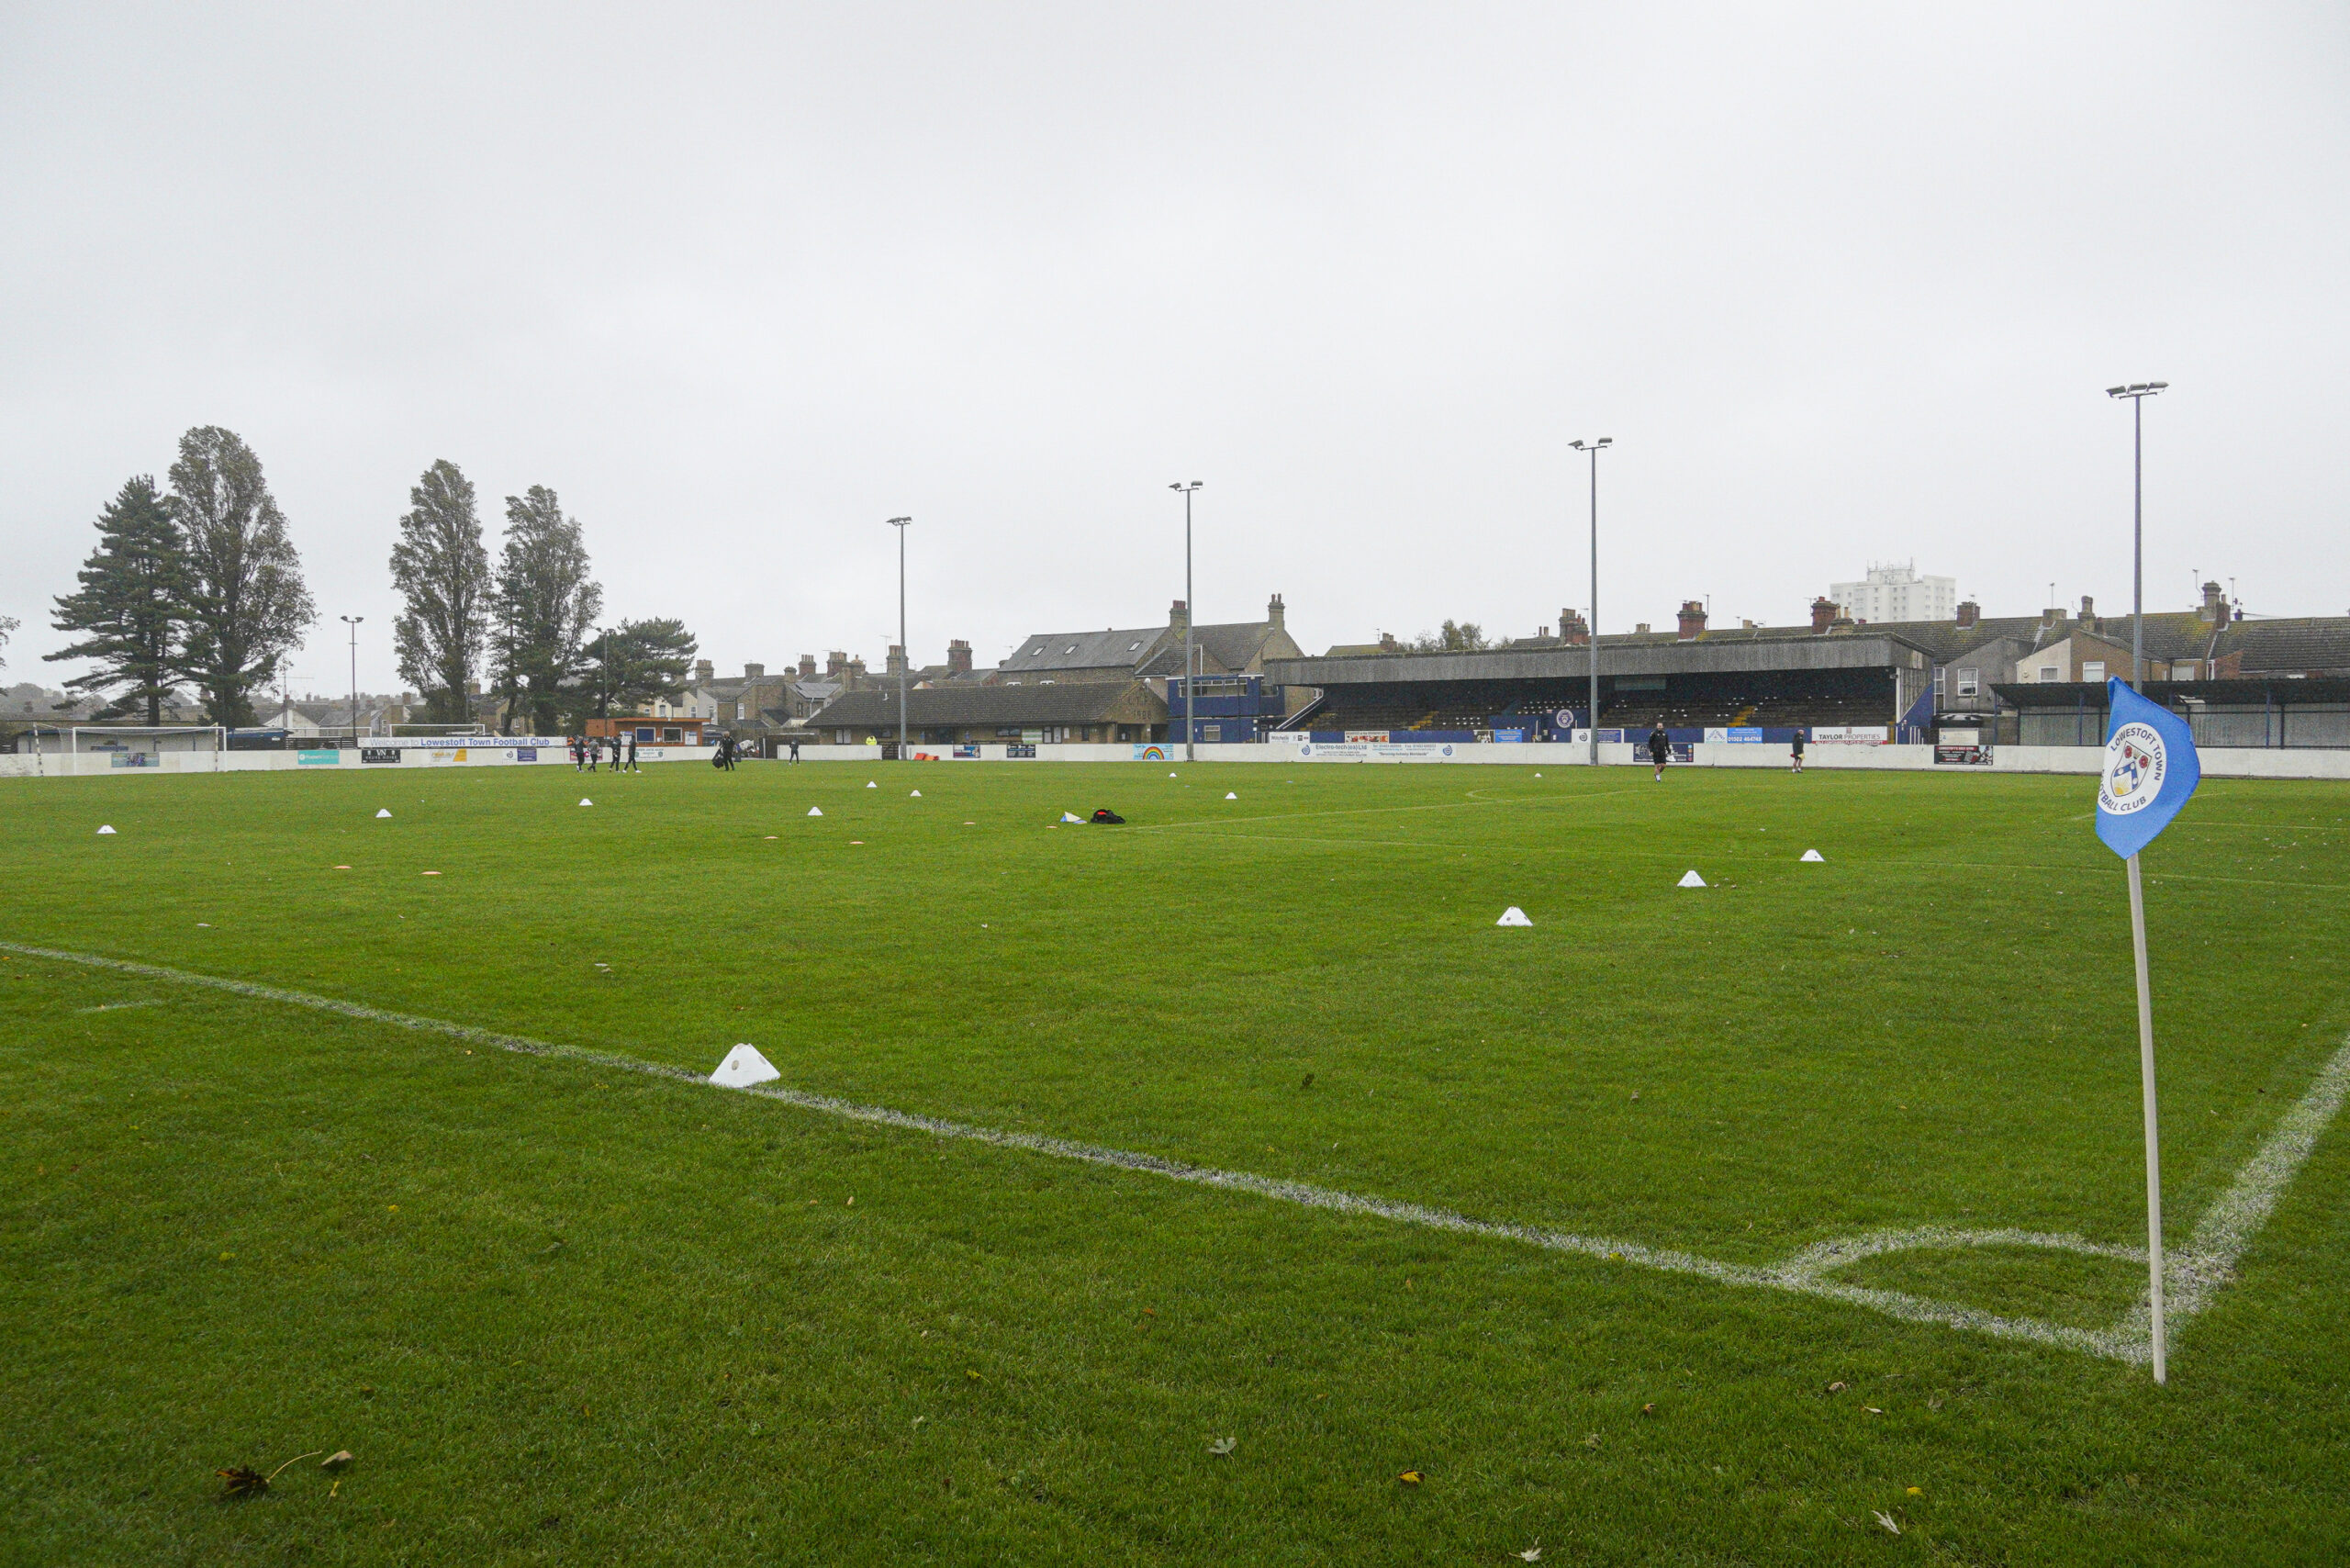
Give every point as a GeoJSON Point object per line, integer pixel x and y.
{"type": "Point", "coordinates": [146, 745]}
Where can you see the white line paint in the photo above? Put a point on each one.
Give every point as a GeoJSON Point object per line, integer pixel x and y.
{"type": "Point", "coordinates": [2206, 1262]}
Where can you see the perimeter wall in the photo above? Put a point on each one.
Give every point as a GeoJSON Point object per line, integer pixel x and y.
{"type": "Point", "coordinates": [2217, 762]}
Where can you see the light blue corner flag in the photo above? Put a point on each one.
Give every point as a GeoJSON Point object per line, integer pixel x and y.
{"type": "Point", "coordinates": [2150, 770]}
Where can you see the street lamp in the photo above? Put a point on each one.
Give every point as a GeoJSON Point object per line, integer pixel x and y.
{"type": "Point", "coordinates": [2137, 393]}
{"type": "Point", "coordinates": [1593, 448]}
{"type": "Point", "coordinates": [899, 524]}
{"type": "Point", "coordinates": [1190, 621]}
{"type": "Point", "coordinates": [352, 621]}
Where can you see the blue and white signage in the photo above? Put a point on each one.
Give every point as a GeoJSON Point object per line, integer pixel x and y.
{"type": "Point", "coordinates": [2150, 770]}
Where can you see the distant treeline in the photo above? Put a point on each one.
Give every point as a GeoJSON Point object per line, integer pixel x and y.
{"type": "Point", "coordinates": [198, 583]}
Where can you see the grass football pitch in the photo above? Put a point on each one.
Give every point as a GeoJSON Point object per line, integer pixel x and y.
{"type": "Point", "coordinates": [1274, 1205]}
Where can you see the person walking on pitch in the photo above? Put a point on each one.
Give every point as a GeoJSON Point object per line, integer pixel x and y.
{"type": "Point", "coordinates": [1796, 747]}
{"type": "Point", "coordinates": [632, 753]}
{"type": "Point", "coordinates": [1659, 749]}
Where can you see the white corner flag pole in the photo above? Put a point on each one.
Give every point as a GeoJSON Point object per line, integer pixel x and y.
{"type": "Point", "coordinates": [2154, 1142]}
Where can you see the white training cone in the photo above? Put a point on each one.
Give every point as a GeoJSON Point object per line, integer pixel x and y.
{"type": "Point", "coordinates": [1691, 879]}
{"type": "Point", "coordinates": [585, 801]}
{"type": "Point", "coordinates": [1812, 855]}
{"type": "Point", "coordinates": [1072, 817]}
{"type": "Point", "coordinates": [107, 827]}
{"type": "Point", "coordinates": [1170, 776]}
{"type": "Point", "coordinates": [1230, 796]}
{"type": "Point", "coordinates": [915, 796]}
{"type": "Point", "coordinates": [870, 785]}
{"type": "Point", "coordinates": [815, 810]}
{"type": "Point", "coordinates": [743, 1066]}
{"type": "Point", "coordinates": [1513, 915]}
{"type": "Point", "coordinates": [384, 813]}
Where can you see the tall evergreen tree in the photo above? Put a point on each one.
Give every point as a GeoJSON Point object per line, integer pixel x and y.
{"type": "Point", "coordinates": [131, 606]}
{"type": "Point", "coordinates": [442, 568]}
{"type": "Point", "coordinates": [8, 624]}
{"type": "Point", "coordinates": [546, 606]}
{"type": "Point", "coordinates": [246, 604]}
{"type": "Point", "coordinates": [629, 666]}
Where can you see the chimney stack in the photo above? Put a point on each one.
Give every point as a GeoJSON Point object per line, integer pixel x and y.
{"type": "Point", "coordinates": [1572, 629]}
{"type": "Point", "coordinates": [752, 672]}
{"type": "Point", "coordinates": [807, 666]}
{"type": "Point", "coordinates": [2215, 605]}
{"type": "Point", "coordinates": [1178, 618]}
{"type": "Point", "coordinates": [896, 661]}
{"type": "Point", "coordinates": [704, 672]}
{"type": "Point", "coordinates": [1274, 613]}
{"type": "Point", "coordinates": [1388, 644]}
{"type": "Point", "coordinates": [958, 656]}
{"type": "Point", "coordinates": [1693, 619]}
{"type": "Point", "coordinates": [836, 666]}
{"type": "Point", "coordinates": [1968, 614]}
{"type": "Point", "coordinates": [1823, 614]}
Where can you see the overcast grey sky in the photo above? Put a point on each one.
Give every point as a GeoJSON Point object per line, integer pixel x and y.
{"type": "Point", "coordinates": [1844, 283]}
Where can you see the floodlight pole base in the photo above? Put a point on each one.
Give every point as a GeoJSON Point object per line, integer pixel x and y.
{"type": "Point", "coordinates": [2153, 1140]}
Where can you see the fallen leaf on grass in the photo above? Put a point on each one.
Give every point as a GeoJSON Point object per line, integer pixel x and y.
{"type": "Point", "coordinates": [1223, 1444]}
{"type": "Point", "coordinates": [1411, 1478]}
{"type": "Point", "coordinates": [1838, 1387]}
{"type": "Point", "coordinates": [1591, 1442]}
{"type": "Point", "coordinates": [242, 1481]}
{"type": "Point", "coordinates": [336, 1460]}
{"type": "Point", "coordinates": [1532, 1554]}
{"type": "Point", "coordinates": [1871, 1409]}
{"type": "Point", "coordinates": [1647, 1409]}
{"type": "Point", "coordinates": [1887, 1520]}
{"type": "Point", "coordinates": [1916, 1490]}
{"type": "Point", "coordinates": [972, 1375]}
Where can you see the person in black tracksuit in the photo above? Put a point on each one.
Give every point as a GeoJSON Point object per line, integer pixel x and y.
{"type": "Point", "coordinates": [1659, 749]}
{"type": "Point", "coordinates": [1798, 748]}
{"type": "Point", "coordinates": [632, 753]}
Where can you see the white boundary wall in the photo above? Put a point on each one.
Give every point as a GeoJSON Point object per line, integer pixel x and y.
{"type": "Point", "coordinates": [435, 753]}
{"type": "Point", "coordinates": [2217, 762]}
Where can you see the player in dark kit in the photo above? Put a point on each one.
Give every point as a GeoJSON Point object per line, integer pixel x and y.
{"type": "Point", "coordinates": [1659, 749]}
{"type": "Point", "coordinates": [1797, 744]}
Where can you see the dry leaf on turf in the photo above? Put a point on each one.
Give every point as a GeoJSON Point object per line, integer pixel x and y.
{"type": "Point", "coordinates": [1532, 1554]}
{"type": "Point", "coordinates": [1411, 1478]}
{"type": "Point", "coordinates": [1591, 1441]}
{"type": "Point", "coordinates": [1887, 1520]}
{"type": "Point", "coordinates": [1838, 1387]}
{"type": "Point", "coordinates": [242, 1481]}
{"type": "Point", "coordinates": [1223, 1444]}
{"type": "Point", "coordinates": [336, 1460]}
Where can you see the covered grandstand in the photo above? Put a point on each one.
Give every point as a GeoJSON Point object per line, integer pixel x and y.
{"type": "Point", "coordinates": [1773, 682]}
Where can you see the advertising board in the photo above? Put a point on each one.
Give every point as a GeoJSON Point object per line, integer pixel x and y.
{"type": "Point", "coordinates": [380, 753]}
{"type": "Point", "coordinates": [1848, 734]}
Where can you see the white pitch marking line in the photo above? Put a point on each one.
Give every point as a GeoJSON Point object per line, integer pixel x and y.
{"type": "Point", "coordinates": [2207, 1261]}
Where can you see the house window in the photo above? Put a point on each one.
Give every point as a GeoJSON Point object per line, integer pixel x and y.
{"type": "Point", "coordinates": [1937, 683]}
{"type": "Point", "coordinates": [2093, 670]}
{"type": "Point", "coordinates": [2047, 674]}
{"type": "Point", "coordinates": [738, 710]}
{"type": "Point", "coordinates": [1970, 682]}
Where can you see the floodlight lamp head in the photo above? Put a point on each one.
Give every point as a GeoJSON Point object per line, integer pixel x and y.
{"type": "Point", "coordinates": [900, 521]}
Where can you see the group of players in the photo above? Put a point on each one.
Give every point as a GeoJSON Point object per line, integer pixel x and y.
{"type": "Point", "coordinates": [1660, 750]}
{"type": "Point", "coordinates": [587, 751]}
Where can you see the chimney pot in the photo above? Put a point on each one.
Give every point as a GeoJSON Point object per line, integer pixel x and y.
{"type": "Point", "coordinates": [1275, 614]}
{"type": "Point", "coordinates": [1823, 614]}
{"type": "Point", "coordinates": [1968, 614]}
{"type": "Point", "coordinates": [752, 672]}
{"type": "Point", "coordinates": [1693, 619]}
{"type": "Point", "coordinates": [958, 656]}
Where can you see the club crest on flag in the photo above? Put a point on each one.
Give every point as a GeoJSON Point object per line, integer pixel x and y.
{"type": "Point", "coordinates": [2133, 769]}
{"type": "Point", "coordinates": [2150, 770]}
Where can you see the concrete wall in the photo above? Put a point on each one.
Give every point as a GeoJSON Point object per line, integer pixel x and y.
{"type": "Point", "coordinates": [415, 756]}
{"type": "Point", "coordinates": [2217, 762]}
